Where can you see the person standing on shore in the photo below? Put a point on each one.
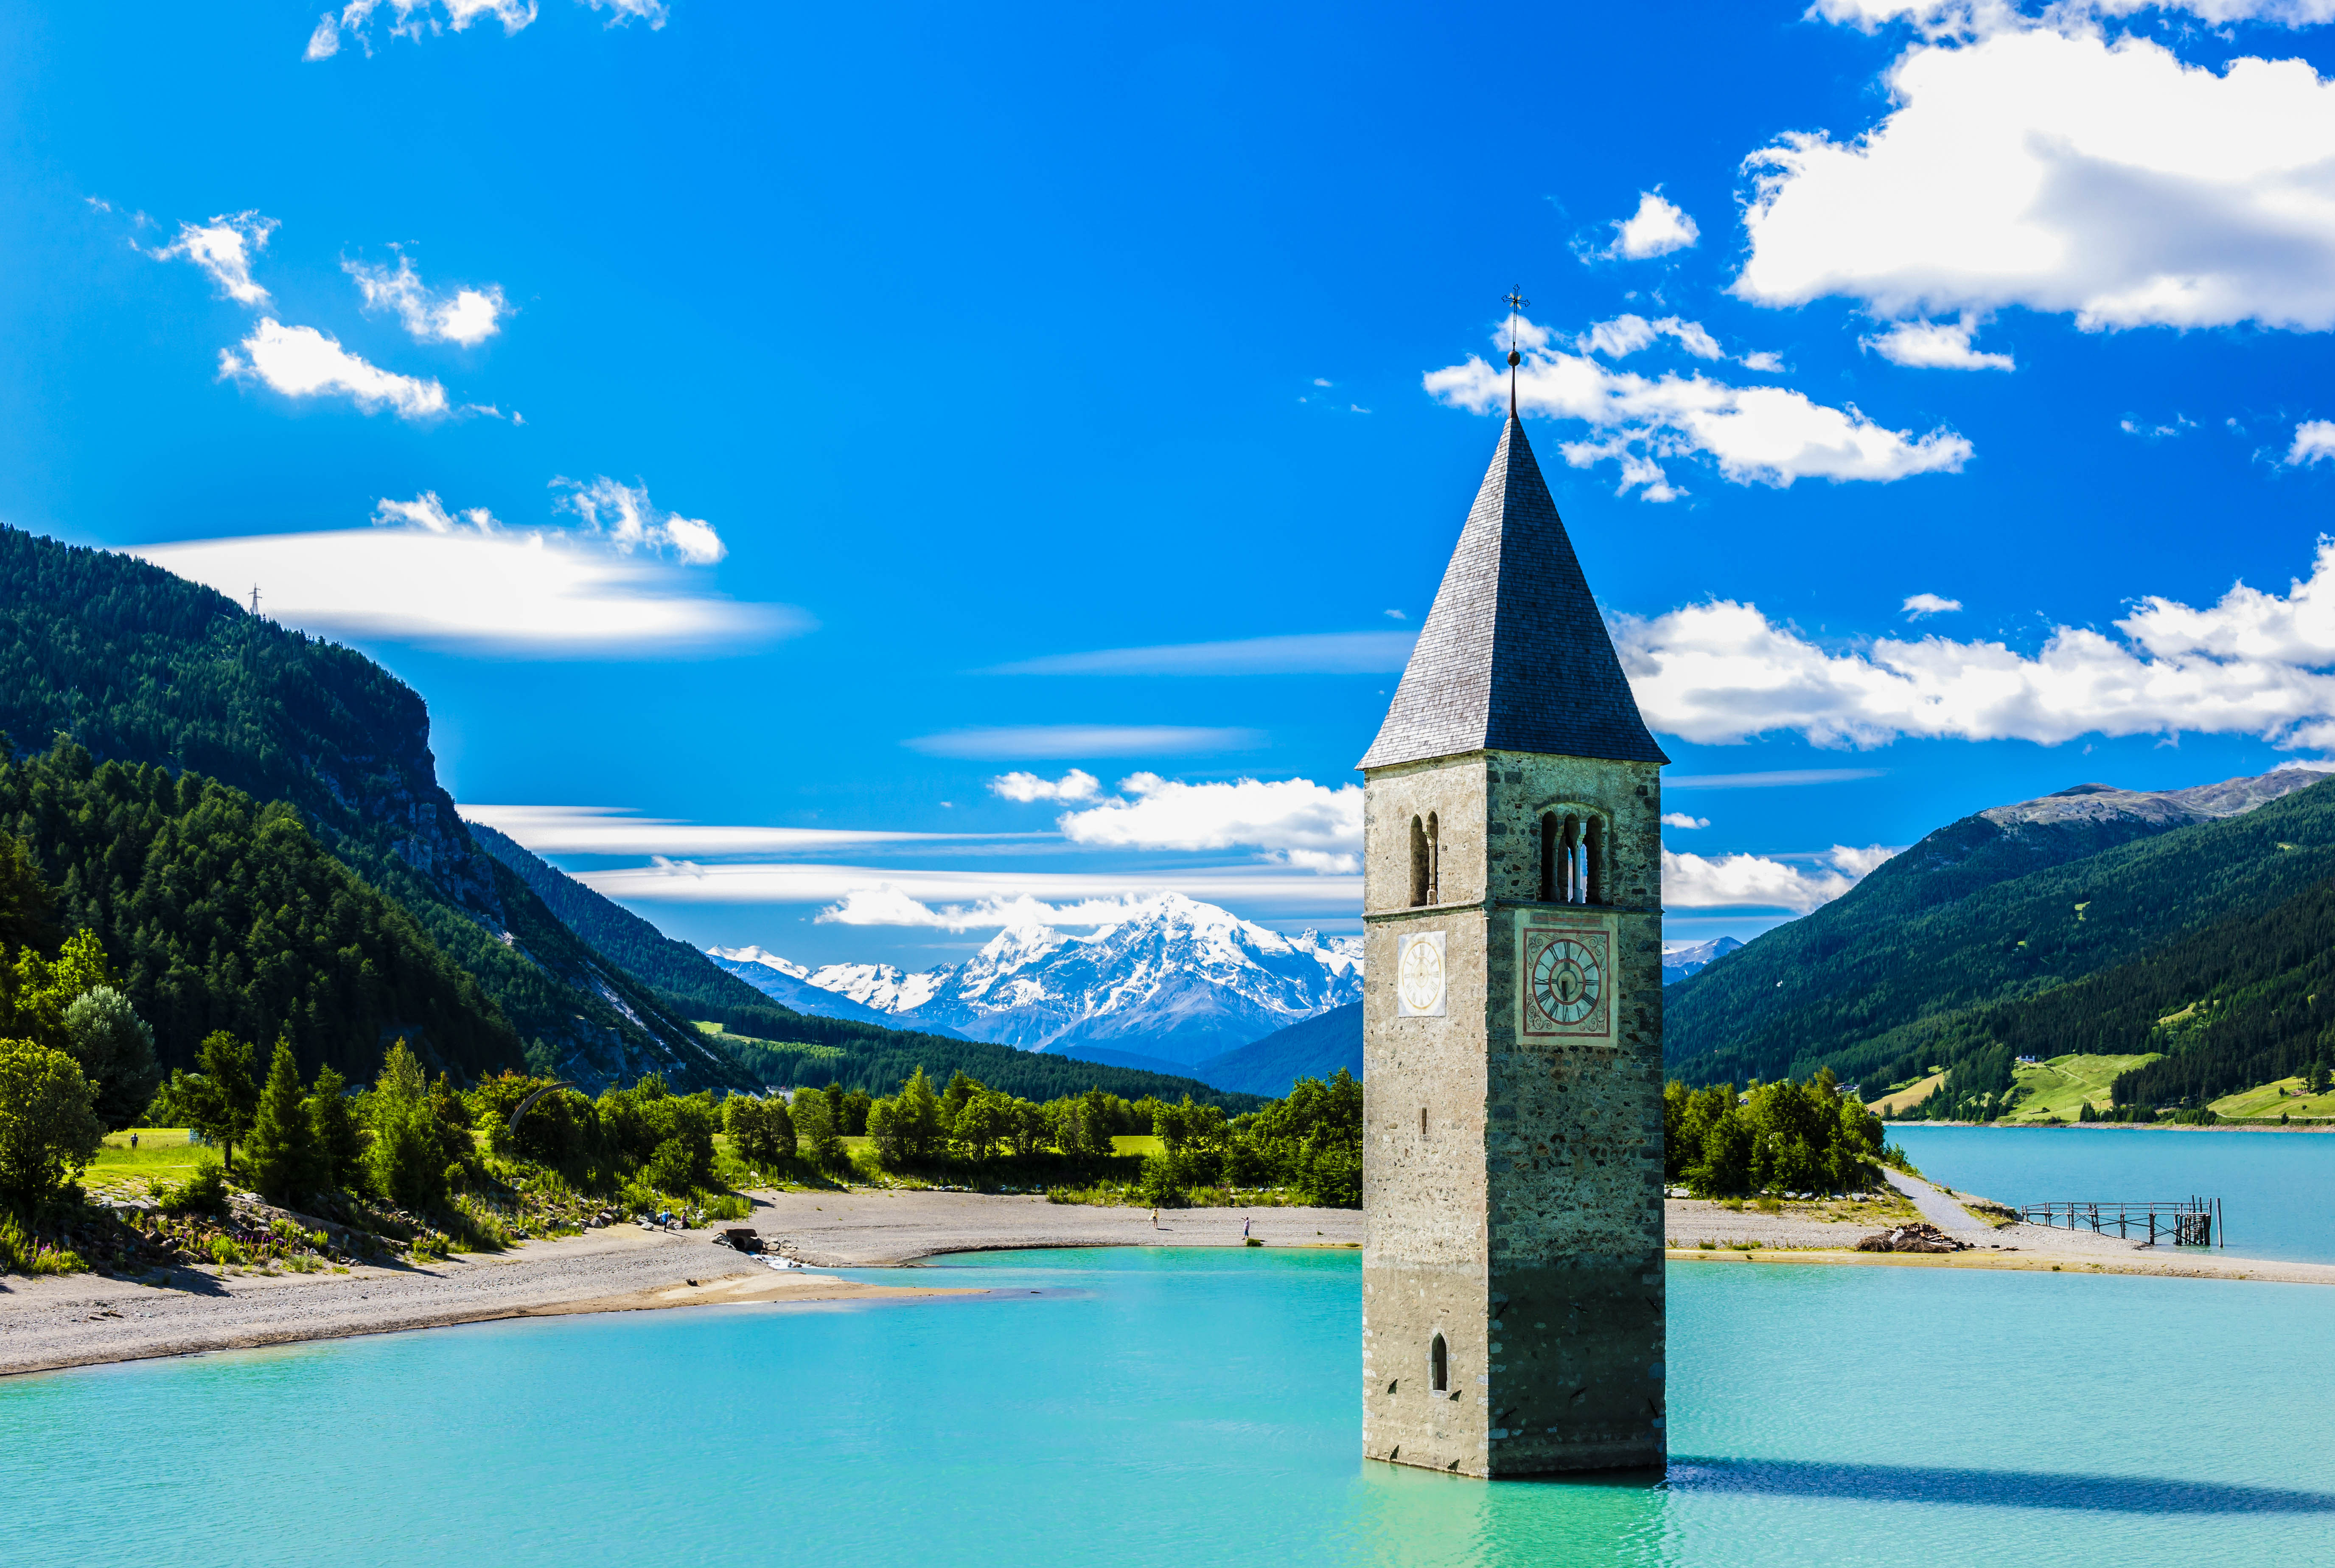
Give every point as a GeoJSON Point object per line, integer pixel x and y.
{"type": "Point", "coordinates": [1155, 1219]}
{"type": "Point", "coordinates": [1243, 1228]}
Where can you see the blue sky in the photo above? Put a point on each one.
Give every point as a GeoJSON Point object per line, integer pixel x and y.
{"type": "Point", "coordinates": [780, 442]}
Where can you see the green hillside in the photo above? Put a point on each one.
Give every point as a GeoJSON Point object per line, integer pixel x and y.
{"type": "Point", "coordinates": [684, 976]}
{"type": "Point", "coordinates": [220, 914]}
{"type": "Point", "coordinates": [1882, 984]}
{"type": "Point", "coordinates": [140, 666]}
{"type": "Point", "coordinates": [2239, 1002]}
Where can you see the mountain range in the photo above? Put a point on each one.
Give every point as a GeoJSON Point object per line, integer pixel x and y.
{"type": "Point", "coordinates": [349, 904]}
{"type": "Point", "coordinates": [1175, 982]}
{"type": "Point", "coordinates": [1974, 941]}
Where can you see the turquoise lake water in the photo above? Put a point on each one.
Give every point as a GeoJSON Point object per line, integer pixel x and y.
{"type": "Point", "coordinates": [2277, 1188]}
{"type": "Point", "coordinates": [1137, 1407]}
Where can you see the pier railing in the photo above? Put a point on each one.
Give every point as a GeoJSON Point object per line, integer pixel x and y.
{"type": "Point", "coordinates": [2190, 1223]}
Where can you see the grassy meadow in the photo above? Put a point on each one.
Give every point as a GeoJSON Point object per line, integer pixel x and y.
{"type": "Point", "coordinates": [163, 1154]}
{"type": "Point", "coordinates": [2057, 1089]}
{"type": "Point", "coordinates": [2273, 1100]}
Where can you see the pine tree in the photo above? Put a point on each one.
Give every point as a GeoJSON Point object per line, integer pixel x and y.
{"type": "Point", "coordinates": [282, 1159]}
{"type": "Point", "coordinates": [340, 1142]}
{"type": "Point", "coordinates": [224, 1099]}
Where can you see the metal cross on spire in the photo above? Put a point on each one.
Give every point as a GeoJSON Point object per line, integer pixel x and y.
{"type": "Point", "coordinates": [1515, 301]}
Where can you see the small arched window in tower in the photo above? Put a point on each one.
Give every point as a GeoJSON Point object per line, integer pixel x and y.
{"type": "Point", "coordinates": [1419, 879]}
{"type": "Point", "coordinates": [1439, 1366]}
{"type": "Point", "coordinates": [1593, 858]}
{"type": "Point", "coordinates": [1548, 857]}
{"type": "Point", "coordinates": [1434, 861]}
{"type": "Point", "coordinates": [1569, 847]}
{"type": "Point", "coordinates": [1422, 1121]}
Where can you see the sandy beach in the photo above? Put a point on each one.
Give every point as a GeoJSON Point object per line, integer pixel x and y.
{"type": "Point", "coordinates": [85, 1320]}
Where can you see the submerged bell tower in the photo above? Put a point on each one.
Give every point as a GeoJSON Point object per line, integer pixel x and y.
{"type": "Point", "coordinates": [1512, 1146]}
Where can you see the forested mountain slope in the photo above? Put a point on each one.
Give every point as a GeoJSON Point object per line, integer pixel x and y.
{"type": "Point", "coordinates": [1993, 908]}
{"type": "Point", "coordinates": [220, 914]}
{"type": "Point", "coordinates": [140, 666]}
{"type": "Point", "coordinates": [681, 972]}
{"type": "Point", "coordinates": [2242, 1001]}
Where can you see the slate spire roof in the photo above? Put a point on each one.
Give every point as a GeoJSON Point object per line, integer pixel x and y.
{"type": "Point", "coordinates": [1514, 656]}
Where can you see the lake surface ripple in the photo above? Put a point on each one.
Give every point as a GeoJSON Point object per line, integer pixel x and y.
{"type": "Point", "coordinates": [1137, 1408]}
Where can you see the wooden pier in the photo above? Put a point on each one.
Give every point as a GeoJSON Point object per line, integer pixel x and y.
{"type": "Point", "coordinates": [2190, 1223]}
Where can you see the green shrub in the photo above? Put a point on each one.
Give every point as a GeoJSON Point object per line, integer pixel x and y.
{"type": "Point", "coordinates": [224, 1251]}
{"type": "Point", "coordinates": [204, 1193]}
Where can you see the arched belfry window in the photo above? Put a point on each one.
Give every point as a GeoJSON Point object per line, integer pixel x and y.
{"type": "Point", "coordinates": [1572, 857]}
{"type": "Point", "coordinates": [1439, 1366]}
{"type": "Point", "coordinates": [1421, 874]}
{"type": "Point", "coordinates": [1434, 861]}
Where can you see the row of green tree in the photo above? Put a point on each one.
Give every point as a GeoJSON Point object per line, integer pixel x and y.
{"type": "Point", "coordinates": [1772, 1138]}
{"type": "Point", "coordinates": [1309, 1143]}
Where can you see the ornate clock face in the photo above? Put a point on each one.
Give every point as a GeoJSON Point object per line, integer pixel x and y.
{"type": "Point", "coordinates": [1566, 981]}
{"type": "Point", "coordinates": [1419, 977]}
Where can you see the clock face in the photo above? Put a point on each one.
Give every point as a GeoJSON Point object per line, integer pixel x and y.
{"type": "Point", "coordinates": [1419, 976]}
{"type": "Point", "coordinates": [1566, 981]}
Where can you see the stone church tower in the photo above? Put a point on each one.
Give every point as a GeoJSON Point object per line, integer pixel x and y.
{"type": "Point", "coordinates": [1512, 1145]}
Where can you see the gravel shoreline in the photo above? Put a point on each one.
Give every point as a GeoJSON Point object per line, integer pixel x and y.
{"type": "Point", "coordinates": [83, 1320]}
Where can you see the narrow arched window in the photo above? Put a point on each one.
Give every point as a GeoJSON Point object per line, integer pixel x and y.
{"type": "Point", "coordinates": [1419, 872]}
{"type": "Point", "coordinates": [1422, 1121]}
{"type": "Point", "coordinates": [1434, 861]}
{"type": "Point", "coordinates": [1570, 848]}
{"type": "Point", "coordinates": [1593, 855]}
{"type": "Point", "coordinates": [1548, 857]}
{"type": "Point", "coordinates": [1439, 1366]}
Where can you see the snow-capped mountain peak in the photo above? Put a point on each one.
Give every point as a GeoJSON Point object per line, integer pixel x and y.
{"type": "Point", "coordinates": [761, 956]}
{"type": "Point", "coordinates": [1173, 977]}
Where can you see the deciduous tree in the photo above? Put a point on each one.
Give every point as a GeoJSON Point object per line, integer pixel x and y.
{"type": "Point", "coordinates": [48, 1132]}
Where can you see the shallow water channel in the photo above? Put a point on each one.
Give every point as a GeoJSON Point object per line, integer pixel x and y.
{"type": "Point", "coordinates": [1203, 1408]}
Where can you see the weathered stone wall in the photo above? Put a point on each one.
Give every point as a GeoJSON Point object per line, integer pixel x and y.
{"type": "Point", "coordinates": [1524, 1224]}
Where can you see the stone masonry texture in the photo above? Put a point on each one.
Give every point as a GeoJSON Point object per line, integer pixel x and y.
{"type": "Point", "coordinates": [1512, 1181]}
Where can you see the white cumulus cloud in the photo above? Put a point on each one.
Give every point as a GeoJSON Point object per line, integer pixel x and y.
{"type": "Point", "coordinates": [1921, 604]}
{"type": "Point", "coordinates": [1287, 818]}
{"type": "Point", "coordinates": [1656, 228]}
{"type": "Point", "coordinates": [1075, 785]}
{"type": "Point", "coordinates": [300, 362]}
{"type": "Point", "coordinates": [2251, 663]}
{"type": "Point", "coordinates": [468, 317]}
{"type": "Point", "coordinates": [2314, 439]}
{"type": "Point", "coordinates": [224, 248]}
{"type": "Point", "coordinates": [2044, 163]}
{"type": "Point", "coordinates": [1935, 346]}
{"type": "Point", "coordinates": [1681, 820]}
{"type": "Point", "coordinates": [1627, 333]}
{"type": "Point", "coordinates": [1760, 882]}
{"type": "Point", "coordinates": [623, 515]}
{"type": "Point", "coordinates": [1754, 435]}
